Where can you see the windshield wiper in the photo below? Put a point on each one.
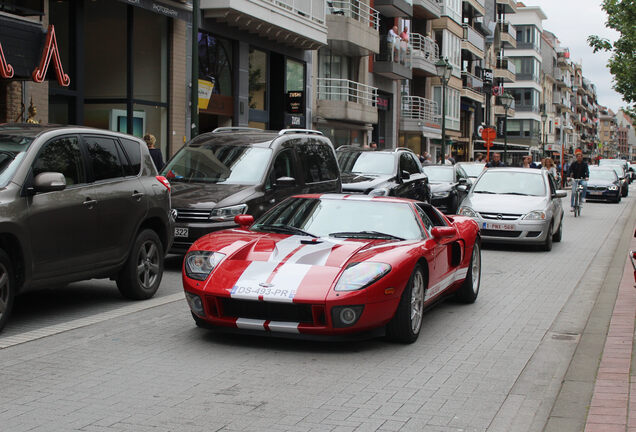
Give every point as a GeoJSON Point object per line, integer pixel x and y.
{"type": "Point", "coordinates": [364, 234]}
{"type": "Point", "coordinates": [485, 192]}
{"type": "Point", "coordinates": [516, 193]}
{"type": "Point", "coordinates": [285, 229]}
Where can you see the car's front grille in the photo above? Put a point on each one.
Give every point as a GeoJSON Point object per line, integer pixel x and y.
{"type": "Point", "coordinates": [190, 215]}
{"type": "Point", "coordinates": [596, 188]}
{"type": "Point", "coordinates": [500, 216]}
{"type": "Point", "coordinates": [290, 312]}
{"type": "Point", "coordinates": [499, 233]}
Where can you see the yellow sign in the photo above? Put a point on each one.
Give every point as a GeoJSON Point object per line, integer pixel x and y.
{"type": "Point", "coordinates": [205, 91]}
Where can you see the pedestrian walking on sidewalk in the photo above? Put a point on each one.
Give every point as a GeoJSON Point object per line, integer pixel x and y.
{"type": "Point", "coordinates": [155, 153]}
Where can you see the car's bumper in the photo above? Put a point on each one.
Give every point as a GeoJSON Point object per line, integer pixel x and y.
{"type": "Point", "coordinates": [516, 231]}
{"type": "Point", "coordinates": [181, 244]}
{"type": "Point", "coordinates": [607, 195]}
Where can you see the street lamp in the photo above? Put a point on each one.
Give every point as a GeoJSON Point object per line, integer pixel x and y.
{"type": "Point", "coordinates": [506, 100]}
{"type": "Point", "coordinates": [444, 70]}
{"type": "Point", "coordinates": [544, 135]}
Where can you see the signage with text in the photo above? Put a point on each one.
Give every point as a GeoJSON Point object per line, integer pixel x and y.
{"type": "Point", "coordinates": [295, 102]}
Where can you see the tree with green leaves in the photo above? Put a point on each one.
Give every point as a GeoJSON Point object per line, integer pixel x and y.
{"type": "Point", "coordinates": [622, 64]}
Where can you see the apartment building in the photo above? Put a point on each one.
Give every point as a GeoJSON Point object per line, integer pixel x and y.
{"type": "Point", "coordinates": [626, 122]}
{"type": "Point", "coordinates": [608, 145]}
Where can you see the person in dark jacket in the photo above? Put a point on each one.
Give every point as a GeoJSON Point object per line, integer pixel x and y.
{"type": "Point", "coordinates": [495, 162]}
{"type": "Point", "coordinates": [155, 153]}
{"type": "Point", "coordinates": [578, 170]}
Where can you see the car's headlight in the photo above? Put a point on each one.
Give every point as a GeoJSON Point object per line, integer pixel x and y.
{"type": "Point", "coordinates": [535, 215]}
{"type": "Point", "coordinates": [379, 192]}
{"type": "Point", "coordinates": [224, 214]}
{"type": "Point", "coordinates": [199, 264]}
{"type": "Point", "coordinates": [613, 188]}
{"type": "Point", "coordinates": [443, 194]}
{"type": "Point", "coordinates": [467, 211]}
{"type": "Point", "coordinates": [360, 275]}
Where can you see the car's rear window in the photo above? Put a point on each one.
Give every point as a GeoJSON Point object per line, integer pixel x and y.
{"type": "Point", "coordinates": [133, 151]}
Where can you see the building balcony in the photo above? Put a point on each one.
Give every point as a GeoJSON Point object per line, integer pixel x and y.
{"type": "Point", "coordinates": [353, 28]}
{"type": "Point", "coordinates": [563, 82]}
{"type": "Point", "coordinates": [472, 87]}
{"type": "Point", "coordinates": [510, 6]}
{"type": "Point", "coordinates": [394, 8]}
{"type": "Point", "coordinates": [394, 60]}
{"type": "Point", "coordinates": [473, 42]}
{"type": "Point", "coordinates": [505, 70]}
{"type": "Point", "coordinates": [563, 56]}
{"type": "Point", "coordinates": [478, 7]}
{"type": "Point", "coordinates": [424, 54]}
{"type": "Point", "coordinates": [527, 108]}
{"type": "Point", "coordinates": [295, 23]}
{"type": "Point", "coordinates": [420, 115]}
{"type": "Point", "coordinates": [500, 111]}
{"type": "Point", "coordinates": [342, 99]}
{"type": "Point", "coordinates": [446, 11]}
{"type": "Point", "coordinates": [507, 35]}
{"type": "Point", "coordinates": [427, 9]}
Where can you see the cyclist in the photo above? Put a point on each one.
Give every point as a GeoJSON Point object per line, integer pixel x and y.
{"type": "Point", "coordinates": [579, 171]}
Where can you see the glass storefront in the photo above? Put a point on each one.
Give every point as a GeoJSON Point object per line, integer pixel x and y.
{"type": "Point", "coordinates": [216, 71]}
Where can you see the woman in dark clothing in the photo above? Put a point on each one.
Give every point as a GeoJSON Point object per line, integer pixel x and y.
{"type": "Point", "coordinates": [155, 153]}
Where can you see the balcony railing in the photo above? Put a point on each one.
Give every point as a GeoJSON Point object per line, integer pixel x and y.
{"type": "Point", "coordinates": [424, 47]}
{"type": "Point", "coordinates": [347, 91]}
{"type": "Point", "coordinates": [312, 9]}
{"type": "Point", "coordinates": [472, 82]}
{"type": "Point", "coordinates": [358, 11]}
{"type": "Point", "coordinates": [396, 52]}
{"type": "Point", "coordinates": [527, 108]}
{"type": "Point", "coordinates": [505, 64]}
{"type": "Point", "coordinates": [473, 37]}
{"type": "Point", "coordinates": [447, 11]}
{"type": "Point", "coordinates": [419, 108]}
{"type": "Point", "coordinates": [508, 29]}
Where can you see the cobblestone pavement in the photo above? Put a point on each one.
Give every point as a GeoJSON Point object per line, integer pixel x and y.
{"type": "Point", "coordinates": [153, 370]}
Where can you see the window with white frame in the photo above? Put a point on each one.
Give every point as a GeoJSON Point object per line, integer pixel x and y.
{"type": "Point", "coordinates": [450, 48]}
{"type": "Point", "coordinates": [452, 105]}
{"type": "Point", "coordinates": [453, 9]}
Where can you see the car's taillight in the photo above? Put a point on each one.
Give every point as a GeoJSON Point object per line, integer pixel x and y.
{"type": "Point", "coordinates": [164, 181]}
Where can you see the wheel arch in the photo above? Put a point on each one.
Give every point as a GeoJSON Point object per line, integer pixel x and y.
{"type": "Point", "coordinates": [157, 225]}
{"type": "Point", "coordinates": [12, 246]}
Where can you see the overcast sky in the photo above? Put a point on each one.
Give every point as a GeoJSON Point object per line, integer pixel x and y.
{"type": "Point", "coordinates": [572, 21]}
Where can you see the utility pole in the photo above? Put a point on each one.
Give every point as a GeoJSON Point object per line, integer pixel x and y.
{"type": "Point", "coordinates": [194, 95]}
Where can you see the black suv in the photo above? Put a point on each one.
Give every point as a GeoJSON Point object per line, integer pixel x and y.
{"type": "Point", "coordinates": [395, 172]}
{"type": "Point", "coordinates": [79, 203]}
{"type": "Point", "coordinates": [233, 170]}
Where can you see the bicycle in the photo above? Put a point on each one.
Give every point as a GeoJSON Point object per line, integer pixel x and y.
{"type": "Point", "coordinates": [577, 197]}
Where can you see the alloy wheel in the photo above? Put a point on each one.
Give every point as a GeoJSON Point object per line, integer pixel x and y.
{"type": "Point", "coordinates": [417, 302]}
{"type": "Point", "coordinates": [476, 267]}
{"type": "Point", "coordinates": [4, 289]}
{"type": "Point", "coordinates": [148, 264]}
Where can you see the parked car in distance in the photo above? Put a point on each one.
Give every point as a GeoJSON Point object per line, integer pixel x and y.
{"type": "Point", "coordinates": [395, 172]}
{"type": "Point", "coordinates": [79, 203]}
{"type": "Point", "coordinates": [333, 265]}
{"type": "Point", "coordinates": [449, 185]}
{"type": "Point", "coordinates": [603, 184]}
{"type": "Point", "coordinates": [620, 162]}
{"type": "Point", "coordinates": [232, 171]}
{"type": "Point", "coordinates": [516, 205]}
{"type": "Point", "coordinates": [632, 171]}
{"type": "Point", "coordinates": [622, 176]}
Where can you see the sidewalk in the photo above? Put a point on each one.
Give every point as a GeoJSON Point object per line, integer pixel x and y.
{"type": "Point", "coordinates": [613, 405]}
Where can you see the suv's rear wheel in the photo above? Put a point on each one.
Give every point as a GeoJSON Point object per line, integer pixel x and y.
{"type": "Point", "coordinates": [141, 275]}
{"type": "Point", "coordinates": [7, 288]}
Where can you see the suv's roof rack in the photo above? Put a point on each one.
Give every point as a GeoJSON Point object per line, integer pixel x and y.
{"type": "Point", "coordinates": [236, 129]}
{"type": "Point", "coordinates": [307, 131]}
{"type": "Point", "coordinates": [397, 149]}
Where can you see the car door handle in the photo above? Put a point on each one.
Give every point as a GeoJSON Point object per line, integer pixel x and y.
{"type": "Point", "coordinates": [137, 195]}
{"type": "Point", "coordinates": [89, 203]}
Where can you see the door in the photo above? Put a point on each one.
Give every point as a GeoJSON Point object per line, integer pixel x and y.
{"type": "Point", "coordinates": [122, 199]}
{"type": "Point", "coordinates": [63, 225]}
{"type": "Point", "coordinates": [283, 179]}
{"type": "Point", "coordinates": [415, 186]}
{"type": "Point", "coordinates": [439, 268]}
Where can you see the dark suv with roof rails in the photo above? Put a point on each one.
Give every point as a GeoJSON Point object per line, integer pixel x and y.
{"type": "Point", "coordinates": [395, 172]}
{"type": "Point", "coordinates": [235, 170]}
{"type": "Point", "coordinates": [79, 203]}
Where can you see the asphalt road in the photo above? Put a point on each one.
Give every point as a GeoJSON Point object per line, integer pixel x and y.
{"type": "Point", "coordinates": [82, 358]}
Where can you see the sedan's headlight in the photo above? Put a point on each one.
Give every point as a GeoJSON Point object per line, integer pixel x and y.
{"type": "Point", "coordinates": [535, 215]}
{"type": "Point", "coordinates": [467, 211]}
{"type": "Point", "coordinates": [224, 214]}
{"type": "Point", "coordinates": [613, 188]}
{"type": "Point", "coordinates": [360, 275]}
{"type": "Point", "coordinates": [443, 194]}
{"type": "Point", "coordinates": [199, 264]}
{"type": "Point", "coordinates": [379, 192]}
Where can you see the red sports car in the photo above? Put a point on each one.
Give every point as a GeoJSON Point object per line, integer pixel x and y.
{"type": "Point", "coordinates": [334, 265]}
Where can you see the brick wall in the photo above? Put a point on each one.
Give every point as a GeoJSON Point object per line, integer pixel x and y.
{"type": "Point", "coordinates": [178, 87]}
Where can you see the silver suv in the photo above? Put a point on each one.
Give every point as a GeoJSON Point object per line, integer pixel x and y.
{"type": "Point", "coordinates": [79, 203]}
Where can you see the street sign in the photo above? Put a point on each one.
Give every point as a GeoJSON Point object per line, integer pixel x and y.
{"type": "Point", "coordinates": [489, 135]}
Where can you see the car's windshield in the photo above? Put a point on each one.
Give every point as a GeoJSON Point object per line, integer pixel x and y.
{"type": "Point", "coordinates": [603, 174]}
{"type": "Point", "coordinates": [473, 170]}
{"type": "Point", "coordinates": [618, 170]}
{"type": "Point", "coordinates": [511, 182]}
{"type": "Point", "coordinates": [438, 174]}
{"type": "Point", "coordinates": [366, 162]}
{"type": "Point", "coordinates": [219, 163]}
{"type": "Point", "coordinates": [12, 151]}
{"type": "Point", "coordinates": [322, 217]}
{"type": "Point", "coordinates": [612, 162]}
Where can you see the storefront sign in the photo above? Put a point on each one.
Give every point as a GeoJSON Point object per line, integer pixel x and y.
{"type": "Point", "coordinates": [51, 51]}
{"type": "Point", "coordinates": [220, 105]}
{"type": "Point", "coordinates": [205, 91]}
{"type": "Point", "coordinates": [295, 102]}
{"type": "Point", "coordinates": [487, 75]}
{"type": "Point", "coordinates": [168, 8]}
{"type": "Point", "coordinates": [383, 103]}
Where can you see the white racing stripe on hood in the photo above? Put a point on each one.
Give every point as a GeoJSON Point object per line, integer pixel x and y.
{"type": "Point", "coordinates": [313, 254]}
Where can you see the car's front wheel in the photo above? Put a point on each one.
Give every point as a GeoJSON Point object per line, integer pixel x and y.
{"type": "Point", "coordinates": [559, 234]}
{"type": "Point", "coordinates": [7, 288]}
{"type": "Point", "coordinates": [547, 244]}
{"type": "Point", "coordinates": [141, 275]}
{"type": "Point", "coordinates": [406, 324]}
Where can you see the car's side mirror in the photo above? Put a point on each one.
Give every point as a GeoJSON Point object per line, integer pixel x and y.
{"type": "Point", "coordinates": [285, 181]}
{"type": "Point", "coordinates": [49, 182]}
{"type": "Point", "coordinates": [443, 232]}
{"type": "Point", "coordinates": [463, 187]}
{"type": "Point", "coordinates": [561, 194]}
{"type": "Point", "coordinates": [244, 221]}
{"type": "Point", "coordinates": [405, 175]}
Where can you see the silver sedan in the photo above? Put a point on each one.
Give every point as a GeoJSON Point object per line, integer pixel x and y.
{"type": "Point", "coordinates": [516, 205]}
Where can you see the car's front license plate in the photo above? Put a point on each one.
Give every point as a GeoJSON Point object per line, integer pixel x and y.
{"type": "Point", "coordinates": [595, 192]}
{"type": "Point", "coordinates": [498, 226]}
{"type": "Point", "coordinates": [181, 232]}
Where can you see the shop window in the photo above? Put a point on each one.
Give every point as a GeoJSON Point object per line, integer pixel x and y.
{"type": "Point", "coordinates": [295, 76]}
{"type": "Point", "coordinates": [258, 80]}
{"type": "Point", "coordinates": [150, 57]}
{"type": "Point", "coordinates": [215, 63]}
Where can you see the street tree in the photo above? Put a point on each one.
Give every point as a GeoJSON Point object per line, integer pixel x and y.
{"type": "Point", "coordinates": [621, 15]}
